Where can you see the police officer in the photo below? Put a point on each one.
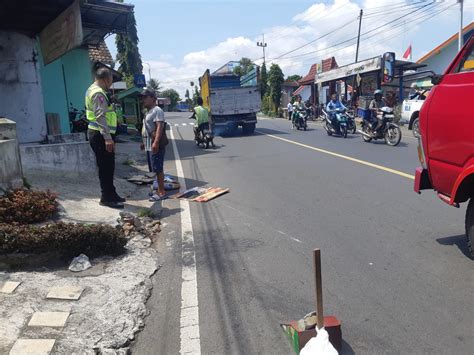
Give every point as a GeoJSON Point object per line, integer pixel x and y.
{"type": "Point", "coordinates": [101, 132]}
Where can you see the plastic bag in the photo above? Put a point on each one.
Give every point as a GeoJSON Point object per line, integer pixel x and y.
{"type": "Point", "coordinates": [80, 263]}
{"type": "Point", "coordinates": [319, 345]}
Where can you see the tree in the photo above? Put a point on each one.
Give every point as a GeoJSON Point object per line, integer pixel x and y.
{"type": "Point", "coordinates": [196, 94]}
{"type": "Point", "coordinates": [128, 54]}
{"type": "Point", "coordinates": [173, 96]}
{"type": "Point", "coordinates": [294, 77]}
{"type": "Point", "coordinates": [263, 80]}
{"type": "Point", "coordinates": [155, 85]}
{"type": "Point", "coordinates": [244, 67]}
{"type": "Point", "coordinates": [275, 80]}
{"type": "Point", "coordinates": [187, 96]}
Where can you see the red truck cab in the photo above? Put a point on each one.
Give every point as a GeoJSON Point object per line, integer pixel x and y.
{"type": "Point", "coordinates": [446, 144]}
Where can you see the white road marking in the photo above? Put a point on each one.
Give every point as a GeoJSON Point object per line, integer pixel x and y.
{"type": "Point", "coordinates": [189, 318]}
{"type": "Point", "coordinates": [184, 124]}
{"type": "Point", "coordinates": [342, 156]}
{"type": "Point", "coordinates": [296, 240]}
{"type": "Point", "coordinates": [176, 125]}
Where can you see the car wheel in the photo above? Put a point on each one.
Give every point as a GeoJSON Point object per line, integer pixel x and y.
{"type": "Point", "coordinates": [416, 127]}
{"type": "Point", "coordinates": [470, 227]}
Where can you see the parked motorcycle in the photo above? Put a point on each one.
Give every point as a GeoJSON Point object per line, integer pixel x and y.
{"type": "Point", "coordinates": [388, 130]}
{"type": "Point", "coordinates": [77, 120]}
{"type": "Point", "coordinates": [342, 125]}
{"type": "Point", "coordinates": [300, 119]}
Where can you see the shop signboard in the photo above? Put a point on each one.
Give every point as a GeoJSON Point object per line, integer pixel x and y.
{"type": "Point", "coordinates": [365, 66]}
{"type": "Point", "coordinates": [62, 34]}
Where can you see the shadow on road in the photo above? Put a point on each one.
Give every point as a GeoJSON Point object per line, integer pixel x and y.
{"type": "Point", "coordinates": [458, 240]}
{"type": "Point", "coordinates": [189, 149]}
{"type": "Point", "coordinates": [346, 349]}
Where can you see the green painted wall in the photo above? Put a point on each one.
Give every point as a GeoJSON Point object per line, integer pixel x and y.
{"type": "Point", "coordinates": [65, 81]}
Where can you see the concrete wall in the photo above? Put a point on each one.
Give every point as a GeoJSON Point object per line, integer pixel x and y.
{"type": "Point", "coordinates": [21, 97]}
{"type": "Point", "coordinates": [65, 81]}
{"type": "Point", "coordinates": [10, 166]}
{"type": "Point", "coordinates": [67, 157]}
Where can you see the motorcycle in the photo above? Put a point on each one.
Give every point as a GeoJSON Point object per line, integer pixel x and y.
{"type": "Point", "coordinates": [300, 119]}
{"type": "Point", "coordinates": [388, 131]}
{"type": "Point", "coordinates": [77, 124]}
{"type": "Point", "coordinates": [204, 137]}
{"type": "Point", "coordinates": [351, 124]}
{"type": "Point", "coordinates": [342, 126]}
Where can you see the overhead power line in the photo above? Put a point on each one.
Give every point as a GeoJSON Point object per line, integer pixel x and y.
{"type": "Point", "coordinates": [420, 19]}
{"type": "Point", "coordinates": [433, 4]}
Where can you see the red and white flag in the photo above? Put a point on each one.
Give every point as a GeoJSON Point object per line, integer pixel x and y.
{"type": "Point", "coordinates": [407, 55]}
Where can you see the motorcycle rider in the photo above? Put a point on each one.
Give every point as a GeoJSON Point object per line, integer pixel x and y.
{"type": "Point", "coordinates": [201, 115]}
{"type": "Point", "coordinates": [298, 109]}
{"type": "Point", "coordinates": [331, 108]}
{"type": "Point", "coordinates": [375, 105]}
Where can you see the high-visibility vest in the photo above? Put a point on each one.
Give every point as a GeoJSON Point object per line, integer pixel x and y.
{"type": "Point", "coordinates": [110, 115]}
{"type": "Point", "coordinates": [202, 115]}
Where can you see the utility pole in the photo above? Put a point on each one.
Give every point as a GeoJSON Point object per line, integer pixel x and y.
{"type": "Point", "coordinates": [358, 36]}
{"type": "Point", "coordinates": [263, 45]}
{"type": "Point", "coordinates": [460, 40]}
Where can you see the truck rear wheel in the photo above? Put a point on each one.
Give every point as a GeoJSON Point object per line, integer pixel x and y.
{"type": "Point", "coordinates": [248, 128]}
{"type": "Point", "coordinates": [470, 227]}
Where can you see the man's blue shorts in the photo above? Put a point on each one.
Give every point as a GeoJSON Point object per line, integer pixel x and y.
{"type": "Point", "coordinates": [157, 160]}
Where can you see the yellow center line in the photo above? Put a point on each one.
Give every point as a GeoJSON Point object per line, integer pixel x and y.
{"type": "Point", "coordinates": [358, 161]}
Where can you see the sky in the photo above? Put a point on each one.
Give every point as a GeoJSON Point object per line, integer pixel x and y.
{"type": "Point", "coordinates": [180, 39]}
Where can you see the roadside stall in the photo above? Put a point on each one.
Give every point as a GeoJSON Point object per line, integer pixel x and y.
{"type": "Point", "coordinates": [363, 78]}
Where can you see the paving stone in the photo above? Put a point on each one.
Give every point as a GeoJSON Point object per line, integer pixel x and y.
{"type": "Point", "coordinates": [48, 319]}
{"type": "Point", "coordinates": [32, 346]}
{"type": "Point", "coordinates": [65, 292]}
{"type": "Point", "coordinates": [8, 286]}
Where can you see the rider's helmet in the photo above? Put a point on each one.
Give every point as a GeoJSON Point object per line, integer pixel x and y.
{"type": "Point", "coordinates": [377, 92]}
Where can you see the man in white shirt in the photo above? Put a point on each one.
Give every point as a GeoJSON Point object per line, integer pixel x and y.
{"type": "Point", "coordinates": [155, 140]}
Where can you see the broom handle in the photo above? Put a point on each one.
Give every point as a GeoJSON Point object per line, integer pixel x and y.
{"type": "Point", "coordinates": [319, 287]}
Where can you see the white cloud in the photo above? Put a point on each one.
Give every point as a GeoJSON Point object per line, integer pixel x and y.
{"type": "Point", "coordinates": [316, 21]}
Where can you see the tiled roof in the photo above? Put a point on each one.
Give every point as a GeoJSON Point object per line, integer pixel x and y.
{"type": "Point", "coordinates": [100, 54]}
{"type": "Point", "coordinates": [298, 91]}
{"type": "Point", "coordinates": [309, 78]}
{"type": "Point", "coordinates": [288, 83]}
{"type": "Point", "coordinates": [329, 64]}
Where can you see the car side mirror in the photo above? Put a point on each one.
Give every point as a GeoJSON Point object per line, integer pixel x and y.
{"type": "Point", "coordinates": [436, 79]}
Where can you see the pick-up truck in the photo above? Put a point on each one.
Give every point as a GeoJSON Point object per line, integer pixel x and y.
{"type": "Point", "coordinates": [446, 144]}
{"type": "Point", "coordinates": [411, 112]}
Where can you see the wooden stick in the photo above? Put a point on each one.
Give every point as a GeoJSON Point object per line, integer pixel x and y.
{"type": "Point", "coordinates": [319, 287]}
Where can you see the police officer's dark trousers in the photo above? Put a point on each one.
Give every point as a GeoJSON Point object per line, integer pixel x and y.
{"type": "Point", "coordinates": [105, 163]}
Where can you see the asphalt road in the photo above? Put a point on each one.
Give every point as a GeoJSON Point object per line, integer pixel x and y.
{"type": "Point", "coordinates": [395, 265]}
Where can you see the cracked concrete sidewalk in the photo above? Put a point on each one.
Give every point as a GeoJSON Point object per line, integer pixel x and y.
{"type": "Point", "coordinates": [111, 307]}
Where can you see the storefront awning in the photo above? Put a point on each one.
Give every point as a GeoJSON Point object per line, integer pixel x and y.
{"type": "Point", "coordinates": [100, 18]}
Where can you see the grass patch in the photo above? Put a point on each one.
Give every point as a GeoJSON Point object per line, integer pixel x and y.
{"type": "Point", "coordinates": [145, 212]}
